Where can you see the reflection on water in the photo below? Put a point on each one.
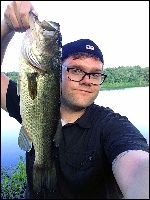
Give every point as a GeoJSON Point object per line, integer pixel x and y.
{"type": "Point", "coordinates": [10, 150]}
{"type": "Point", "coordinates": [132, 102]}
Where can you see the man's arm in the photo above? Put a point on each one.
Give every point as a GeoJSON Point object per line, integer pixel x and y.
{"type": "Point", "coordinates": [6, 35]}
{"type": "Point", "coordinates": [131, 170]}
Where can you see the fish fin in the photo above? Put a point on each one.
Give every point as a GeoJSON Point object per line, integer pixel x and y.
{"type": "Point", "coordinates": [23, 141]}
{"type": "Point", "coordinates": [32, 84]}
{"type": "Point", "coordinates": [44, 178]}
{"type": "Point", "coordinates": [58, 134]}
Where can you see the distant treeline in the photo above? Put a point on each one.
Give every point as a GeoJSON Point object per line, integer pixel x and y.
{"type": "Point", "coordinates": [124, 77]}
{"type": "Point", "coordinates": [119, 77]}
{"type": "Point", "coordinates": [12, 75]}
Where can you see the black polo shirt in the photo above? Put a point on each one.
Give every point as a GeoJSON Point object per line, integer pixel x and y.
{"type": "Point", "coordinates": [86, 151]}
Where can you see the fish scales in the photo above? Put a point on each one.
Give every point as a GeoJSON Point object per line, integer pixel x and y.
{"type": "Point", "coordinates": [39, 90]}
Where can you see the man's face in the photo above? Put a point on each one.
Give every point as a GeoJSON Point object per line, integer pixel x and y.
{"type": "Point", "coordinates": [78, 95]}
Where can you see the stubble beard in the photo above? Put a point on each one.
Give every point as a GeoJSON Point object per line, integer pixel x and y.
{"type": "Point", "coordinates": [75, 105]}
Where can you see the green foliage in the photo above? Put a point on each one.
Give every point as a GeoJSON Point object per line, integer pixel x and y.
{"type": "Point", "coordinates": [12, 75]}
{"type": "Point", "coordinates": [13, 181]}
{"type": "Point", "coordinates": [124, 77]}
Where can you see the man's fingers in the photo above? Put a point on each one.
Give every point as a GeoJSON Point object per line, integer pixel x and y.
{"type": "Point", "coordinates": [17, 15]}
{"type": "Point", "coordinates": [25, 8]}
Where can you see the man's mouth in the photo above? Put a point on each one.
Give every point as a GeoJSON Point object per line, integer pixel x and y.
{"type": "Point", "coordinates": [84, 91]}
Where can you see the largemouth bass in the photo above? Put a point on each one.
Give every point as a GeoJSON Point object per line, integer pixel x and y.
{"type": "Point", "coordinates": [39, 90]}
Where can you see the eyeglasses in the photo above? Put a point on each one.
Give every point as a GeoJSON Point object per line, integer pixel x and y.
{"type": "Point", "coordinates": [77, 75]}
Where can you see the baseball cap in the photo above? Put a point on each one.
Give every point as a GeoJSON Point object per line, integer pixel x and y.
{"type": "Point", "coordinates": [82, 45]}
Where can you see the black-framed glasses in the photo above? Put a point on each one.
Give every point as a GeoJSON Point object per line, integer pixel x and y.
{"type": "Point", "coordinates": [77, 75]}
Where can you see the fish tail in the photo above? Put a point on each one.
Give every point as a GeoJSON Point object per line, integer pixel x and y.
{"type": "Point", "coordinates": [44, 179]}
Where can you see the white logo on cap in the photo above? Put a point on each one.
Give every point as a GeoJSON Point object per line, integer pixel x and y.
{"type": "Point", "coordinates": [89, 47]}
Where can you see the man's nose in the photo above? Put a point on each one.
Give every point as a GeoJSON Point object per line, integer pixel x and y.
{"type": "Point", "coordinates": [86, 80]}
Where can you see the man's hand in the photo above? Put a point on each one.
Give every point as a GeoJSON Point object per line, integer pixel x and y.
{"type": "Point", "coordinates": [16, 15]}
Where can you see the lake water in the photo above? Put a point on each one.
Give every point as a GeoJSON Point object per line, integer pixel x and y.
{"type": "Point", "coordinates": [132, 102]}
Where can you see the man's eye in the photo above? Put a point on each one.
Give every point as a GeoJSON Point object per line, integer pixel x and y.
{"type": "Point", "coordinates": [76, 71]}
{"type": "Point", "coordinates": [95, 75]}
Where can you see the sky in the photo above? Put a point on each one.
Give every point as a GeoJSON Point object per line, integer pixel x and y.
{"type": "Point", "coordinates": [119, 28]}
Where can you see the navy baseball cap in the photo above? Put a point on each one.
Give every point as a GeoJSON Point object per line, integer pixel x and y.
{"type": "Point", "coordinates": [82, 45]}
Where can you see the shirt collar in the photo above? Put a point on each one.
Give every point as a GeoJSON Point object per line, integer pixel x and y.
{"type": "Point", "coordinates": [85, 120]}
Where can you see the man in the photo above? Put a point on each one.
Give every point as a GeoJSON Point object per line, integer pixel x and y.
{"type": "Point", "coordinates": [101, 154]}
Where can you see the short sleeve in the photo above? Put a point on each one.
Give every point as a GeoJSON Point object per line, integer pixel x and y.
{"type": "Point", "coordinates": [121, 135]}
{"type": "Point", "coordinates": [12, 101]}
